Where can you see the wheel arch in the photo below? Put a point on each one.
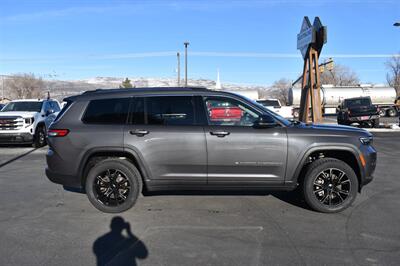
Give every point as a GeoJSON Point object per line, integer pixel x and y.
{"type": "Point", "coordinates": [95, 155]}
{"type": "Point", "coordinates": [344, 153]}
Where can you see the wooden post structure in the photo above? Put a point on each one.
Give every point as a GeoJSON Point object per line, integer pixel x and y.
{"type": "Point", "coordinates": [310, 41]}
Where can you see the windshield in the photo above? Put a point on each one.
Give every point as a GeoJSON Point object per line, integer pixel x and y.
{"type": "Point", "coordinates": [273, 103]}
{"type": "Point", "coordinates": [357, 102]}
{"type": "Point", "coordinates": [23, 107]}
{"type": "Point", "coordinates": [275, 115]}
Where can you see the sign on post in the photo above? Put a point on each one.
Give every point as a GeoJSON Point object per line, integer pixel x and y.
{"type": "Point", "coordinates": [310, 41]}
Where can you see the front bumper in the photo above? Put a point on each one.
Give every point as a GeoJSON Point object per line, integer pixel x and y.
{"type": "Point", "coordinates": [363, 118]}
{"type": "Point", "coordinates": [13, 138]}
{"type": "Point", "coordinates": [370, 156]}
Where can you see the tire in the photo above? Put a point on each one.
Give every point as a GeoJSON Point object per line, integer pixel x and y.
{"type": "Point", "coordinates": [382, 112]}
{"type": "Point", "coordinates": [328, 197]}
{"type": "Point", "coordinates": [341, 122]}
{"type": "Point", "coordinates": [391, 112]}
{"type": "Point", "coordinates": [375, 123]}
{"type": "Point", "coordinates": [39, 140]}
{"type": "Point", "coordinates": [128, 187]}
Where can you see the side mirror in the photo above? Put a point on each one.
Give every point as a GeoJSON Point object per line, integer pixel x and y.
{"type": "Point", "coordinates": [49, 112]}
{"type": "Point", "coordinates": [265, 121]}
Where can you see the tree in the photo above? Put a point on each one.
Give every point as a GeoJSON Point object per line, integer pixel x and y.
{"type": "Point", "coordinates": [126, 84]}
{"type": "Point", "coordinates": [393, 76]}
{"type": "Point", "coordinates": [280, 90]}
{"type": "Point", "coordinates": [24, 86]}
{"type": "Point", "coordinates": [340, 75]}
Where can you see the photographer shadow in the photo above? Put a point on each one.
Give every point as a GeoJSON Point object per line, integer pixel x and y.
{"type": "Point", "coordinates": [115, 248]}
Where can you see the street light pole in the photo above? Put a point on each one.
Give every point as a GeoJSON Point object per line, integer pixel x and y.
{"type": "Point", "coordinates": [186, 45]}
{"type": "Point", "coordinates": [2, 87]}
{"type": "Point", "coordinates": [397, 24]}
{"type": "Point", "coordinates": [179, 68]}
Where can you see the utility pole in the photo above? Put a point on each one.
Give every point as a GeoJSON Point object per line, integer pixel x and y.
{"type": "Point", "coordinates": [186, 45]}
{"type": "Point", "coordinates": [2, 88]}
{"type": "Point", "coordinates": [178, 56]}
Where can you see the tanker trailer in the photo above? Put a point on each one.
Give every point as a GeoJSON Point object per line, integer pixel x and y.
{"type": "Point", "coordinates": [331, 96]}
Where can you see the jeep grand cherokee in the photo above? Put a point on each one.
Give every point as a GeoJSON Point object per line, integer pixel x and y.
{"type": "Point", "coordinates": [116, 143]}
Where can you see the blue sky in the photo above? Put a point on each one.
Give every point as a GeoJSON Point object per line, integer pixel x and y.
{"type": "Point", "coordinates": [251, 42]}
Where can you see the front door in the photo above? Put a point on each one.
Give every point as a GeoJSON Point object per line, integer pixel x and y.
{"type": "Point", "coordinates": [238, 153]}
{"type": "Point", "coordinates": [165, 132]}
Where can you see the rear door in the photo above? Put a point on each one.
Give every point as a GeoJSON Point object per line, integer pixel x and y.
{"type": "Point", "coordinates": [166, 133]}
{"type": "Point", "coordinates": [238, 153]}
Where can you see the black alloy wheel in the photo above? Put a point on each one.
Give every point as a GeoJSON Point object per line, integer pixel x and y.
{"type": "Point", "coordinates": [111, 187]}
{"type": "Point", "coordinates": [332, 187]}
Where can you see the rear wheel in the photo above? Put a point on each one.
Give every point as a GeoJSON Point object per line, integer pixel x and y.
{"type": "Point", "coordinates": [39, 140]}
{"type": "Point", "coordinates": [330, 185]}
{"type": "Point", "coordinates": [375, 123]}
{"type": "Point", "coordinates": [113, 185]}
{"type": "Point", "coordinates": [391, 112]}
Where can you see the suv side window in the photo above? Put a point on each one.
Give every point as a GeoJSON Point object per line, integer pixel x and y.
{"type": "Point", "coordinates": [54, 105]}
{"type": "Point", "coordinates": [107, 111]}
{"type": "Point", "coordinates": [164, 110]}
{"type": "Point", "coordinates": [223, 111]}
{"type": "Point", "coordinates": [46, 106]}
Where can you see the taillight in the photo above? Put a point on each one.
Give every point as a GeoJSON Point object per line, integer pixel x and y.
{"type": "Point", "coordinates": [57, 132]}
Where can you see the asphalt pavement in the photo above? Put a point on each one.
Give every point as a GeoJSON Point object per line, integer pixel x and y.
{"type": "Point", "coordinates": [42, 224]}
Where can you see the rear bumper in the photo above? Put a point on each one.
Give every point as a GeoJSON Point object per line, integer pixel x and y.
{"type": "Point", "coordinates": [65, 180]}
{"type": "Point", "coordinates": [13, 138]}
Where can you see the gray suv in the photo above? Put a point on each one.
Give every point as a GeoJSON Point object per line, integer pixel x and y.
{"type": "Point", "coordinates": [116, 143]}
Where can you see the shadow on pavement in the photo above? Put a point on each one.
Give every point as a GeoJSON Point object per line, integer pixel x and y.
{"type": "Point", "coordinates": [115, 248]}
{"type": "Point", "coordinates": [291, 197]}
{"type": "Point", "coordinates": [16, 157]}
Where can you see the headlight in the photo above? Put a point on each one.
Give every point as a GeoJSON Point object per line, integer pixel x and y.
{"type": "Point", "coordinates": [29, 121]}
{"type": "Point", "coordinates": [366, 140]}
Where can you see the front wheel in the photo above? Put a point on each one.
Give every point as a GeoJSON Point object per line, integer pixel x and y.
{"type": "Point", "coordinates": [330, 185]}
{"type": "Point", "coordinates": [113, 185]}
{"type": "Point", "coordinates": [39, 140]}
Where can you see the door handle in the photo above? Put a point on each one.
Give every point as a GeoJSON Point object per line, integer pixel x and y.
{"type": "Point", "coordinates": [139, 132]}
{"type": "Point", "coordinates": [220, 134]}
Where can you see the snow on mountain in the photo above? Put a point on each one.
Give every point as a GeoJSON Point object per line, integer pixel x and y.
{"type": "Point", "coordinates": [61, 89]}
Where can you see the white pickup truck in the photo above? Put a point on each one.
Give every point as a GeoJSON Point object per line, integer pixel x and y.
{"type": "Point", "coordinates": [26, 121]}
{"type": "Point", "coordinates": [275, 106]}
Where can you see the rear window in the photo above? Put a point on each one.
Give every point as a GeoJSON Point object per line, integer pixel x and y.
{"type": "Point", "coordinates": [107, 111]}
{"type": "Point", "coordinates": [357, 102]}
{"type": "Point", "coordinates": [273, 103]}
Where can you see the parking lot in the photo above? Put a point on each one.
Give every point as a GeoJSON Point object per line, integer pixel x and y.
{"type": "Point", "coordinates": [42, 224]}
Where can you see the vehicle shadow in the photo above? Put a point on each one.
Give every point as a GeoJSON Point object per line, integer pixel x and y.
{"type": "Point", "coordinates": [291, 197]}
{"type": "Point", "coordinates": [116, 248]}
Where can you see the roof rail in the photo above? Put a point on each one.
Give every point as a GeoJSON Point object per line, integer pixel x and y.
{"type": "Point", "coordinates": [145, 89]}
